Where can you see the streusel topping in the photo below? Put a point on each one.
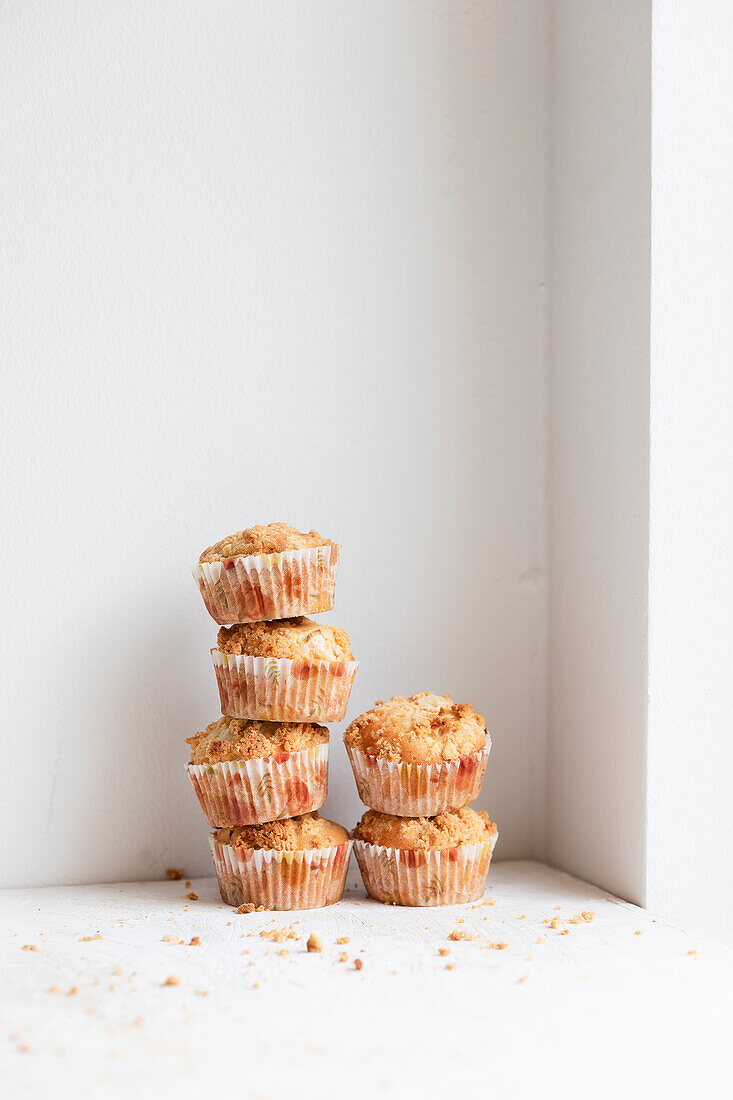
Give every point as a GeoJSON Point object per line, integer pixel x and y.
{"type": "Point", "coordinates": [272, 538]}
{"type": "Point", "coordinates": [446, 830]}
{"type": "Point", "coordinates": [423, 729]}
{"type": "Point", "coordinates": [290, 835]}
{"type": "Point", "coordinates": [239, 739]}
{"type": "Point", "coordinates": [294, 638]}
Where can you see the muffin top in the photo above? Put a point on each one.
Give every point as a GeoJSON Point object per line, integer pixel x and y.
{"type": "Point", "coordinates": [294, 638]}
{"type": "Point", "coordinates": [446, 830]}
{"type": "Point", "coordinates": [290, 835]}
{"type": "Point", "coordinates": [238, 739]}
{"type": "Point", "coordinates": [272, 538]}
{"type": "Point", "coordinates": [423, 729]}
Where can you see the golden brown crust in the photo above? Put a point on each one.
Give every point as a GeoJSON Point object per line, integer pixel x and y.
{"type": "Point", "coordinates": [271, 538]}
{"type": "Point", "coordinates": [446, 830]}
{"type": "Point", "coordinates": [294, 638]}
{"type": "Point", "coordinates": [238, 739]}
{"type": "Point", "coordinates": [423, 729]}
{"type": "Point", "coordinates": [294, 834]}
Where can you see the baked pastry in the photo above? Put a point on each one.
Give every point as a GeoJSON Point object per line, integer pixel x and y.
{"type": "Point", "coordinates": [441, 860]}
{"type": "Point", "coordinates": [267, 572]}
{"type": "Point", "coordinates": [249, 772]}
{"type": "Point", "coordinates": [299, 863]}
{"type": "Point", "coordinates": [290, 670]}
{"type": "Point", "coordinates": [418, 756]}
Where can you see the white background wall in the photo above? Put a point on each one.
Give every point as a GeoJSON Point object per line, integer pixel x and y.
{"type": "Point", "coordinates": [265, 262]}
{"type": "Point", "coordinates": [690, 825]}
{"type": "Point", "coordinates": [599, 442]}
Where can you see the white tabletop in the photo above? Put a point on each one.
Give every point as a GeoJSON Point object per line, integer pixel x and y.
{"type": "Point", "coordinates": [611, 1006]}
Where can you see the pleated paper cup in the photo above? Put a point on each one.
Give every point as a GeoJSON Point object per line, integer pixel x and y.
{"type": "Point", "coordinates": [305, 879]}
{"type": "Point", "coordinates": [250, 792]}
{"type": "Point", "coordinates": [404, 876]}
{"type": "Point", "coordinates": [259, 587]}
{"type": "Point", "coordinates": [418, 790]}
{"type": "Point", "coordinates": [279, 689]}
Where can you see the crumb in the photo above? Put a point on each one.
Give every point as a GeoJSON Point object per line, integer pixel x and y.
{"type": "Point", "coordinates": [117, 971]}
{"type": "Point", "coordinates": [692, 952]}
{"type": "Point", "coordinates": [172, 939]}
{"type": "Point", "coordinates": [192, 896]}
{"type": "Point", "coordinates": [248, 907]}
{"type": "Point", "coordinates": [188, 884]}
{"type": "Point", "coordinates": [342, 939]}
{"type": "Point", "coordinates": [444, 951]}
{"type": "Point", "coordinates": [29, 947]}
{"type": "Point", "coordinates": [23, 1048]}
{"type": "Point", "coordinates": [172, 980]}
{"type": "Point", "coordinates": [540, 939]}
{"type": "Point", "coordinates": [343, 957]}
{"type": "Point", "coordinates": [201, 992]}
{"type": "Point", "coordinates": [523, 979]}
{"type": "Point", "coordinates": [558, 907]}
{"type": "Point", "coordinates": [283, 951]}
{"type": "Point", "coordinates": [459, 920]}
{"type": "Point", "coordinates": [582, 918]}
{"type": "Point", "coordinates": [358, 964]}
{"type": "Point", "coordinates": [55, 988]}
{"type": "Point", "coordinates": [458, 934]}
{"type": "Point", "coordinates": [499, 946]}
{"type": "Point", "coordinates": [256, 985]}
{"type": "Point", "coordinates": [564, 932]}
{"type": "Point", "coordinates": [314, 942]}
{"type": "Point", "coordinates": [174, 873]}
{"type": "Point", "coordinates": [522, 916]}
{"type": "Point", "coordinates": [450, 966]}
{"type": "Point", "coordinates": [87, 939]}
{"type": "Point", "coordinates": [194, 942]}
{"type": "Point", "coordinates": [72, 991]}
{"type": "Point", "coordinates": [637, 933]}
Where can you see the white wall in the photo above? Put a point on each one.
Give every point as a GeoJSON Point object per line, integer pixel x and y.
{"type": "Point", "coordinates": [599, 442]}
{"type": "Point", "coordinates": [267, 262]}
{"type": "Point", "coordinates": [690, 826]}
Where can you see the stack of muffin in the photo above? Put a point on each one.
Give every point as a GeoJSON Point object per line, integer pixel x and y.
{"type": "Point", "coordinates": [418, 762]}
{"type": "Point", "coordinates": [261, 771]}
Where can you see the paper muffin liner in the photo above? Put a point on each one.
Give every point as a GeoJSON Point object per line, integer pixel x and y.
{"type": "Point", "coordinates": [249, 792]}
{"type": "Point", "coordinates": [404, 876]}
{"type": "Point", "coordinates": [418, 790]}
{"type": "Point", "coordinates": [279, 689]}
{"type": "Point", "coordinates": [305, 879]}
{"type": "Point", "coordinates": [259, 587]}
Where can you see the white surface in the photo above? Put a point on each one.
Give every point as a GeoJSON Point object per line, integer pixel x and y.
{"type": "Point", "coordinates": [263, 262]}
{"type": "Point", "coordinates": [691, 533]}
{"type": "Point", "coordinates": [599, 443]}
{"type": "Point", "coordinates": [602, 1010]}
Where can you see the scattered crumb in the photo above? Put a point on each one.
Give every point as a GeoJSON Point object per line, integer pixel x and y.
{"type": "Point", "coordinates": [314, 942]}
{"type": "Point", "coordinates": [29, 947]}
{"type": "Point", "coordinates": [554, 922]}
{"type": "Point", "coordinates": [564, 932]}
{"type": "Point", "coordinates": [172, 939]}
{"type": "Point", "coordinates": [444, 951]}
{"type": "Point", "coordinates": [277, 935]}
{"type": "Point", "coordinates": [172, 980]}
{"type": "Point", "coordinates": [55, 988]}
{"type": "Point", "coordinates": [523, 979]}
{"type": "Point", "coordinates": [692, 952]}
{"type": "Point", "coordinates": [201, 992]}
{"type": "Point", "coordinates": [194, 942]}
{"type": "Point", "coordinates": [72, 991]}
{"type": "Point", "coordinates": [582, 918]}
{"type": "Point", "coordinates": [188, 884]}
{"type": "Point", "coordinates": [358, 964]}
{"type": "Point", "coordinates": [87, 939]}
{"type": "Point", "coordinates": [459, 920]}
{"type": "Point", "coordinates": [283, 951]}
{"type": "Point", "coordinates": [637, 933]}
{"type": "Point", "coordinates": [499, 946]}
{"type": "Point", "coordinates": [343, 939]}
{"type": "Point", "coordinates": [459, 934]}
{"type": "Point", "coordinates": [540, 939]}
{"type": "Point", "coordinates": [192, 896]}
{"type": "Point", "coordinates": [248, 907]}
{"type": "Point", "coordinates": [450, 966]}
{"type": "Point", "coordinates": [116, 971]}
{"type": "Point", "coordinates": [174, 873]}
{"type": "Point", "coordinates": [522, 916]}
{"type": "Point", "coordinates": [343, 957]}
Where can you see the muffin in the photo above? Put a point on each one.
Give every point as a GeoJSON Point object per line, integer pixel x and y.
{"type": "Point", "coordinates": [290, 670]}
{"type": "Point", "coordinates": [418, 756]}
{"type": "Point", "coordinates": [441, 860]}
{"type": "Point", "coordinates": [300, 863]}
{"type": "Point", "coordinates": [250, 772]}
{"type": "Point", "coordinates": [267, 572]}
